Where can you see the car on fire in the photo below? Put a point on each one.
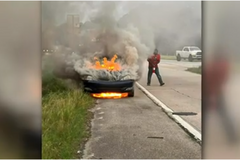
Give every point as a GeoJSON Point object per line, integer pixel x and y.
{"type": "Point", "coordinates": [106, 88]}
{"type": "Point", "coordinates": [109, 89]}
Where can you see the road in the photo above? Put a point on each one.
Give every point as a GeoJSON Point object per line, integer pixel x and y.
{"type": "Point", "coordinates": [182, 92]}
{"type": "Point", "coordinates": [136, 128]}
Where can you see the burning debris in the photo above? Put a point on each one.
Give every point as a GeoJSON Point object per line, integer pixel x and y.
{"type": "Point", "coordinates": [110, 95]}
{"type": "Point", "coordinates": [108, 65]}
{"type": "Point", "coordinates": [104, 69]}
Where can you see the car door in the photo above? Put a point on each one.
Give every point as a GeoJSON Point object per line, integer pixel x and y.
{"type": "Point", "coordinates": [185, 52]}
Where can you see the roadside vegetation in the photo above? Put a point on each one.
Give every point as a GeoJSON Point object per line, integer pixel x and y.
{"type": "Point", "coordinates": [197, 70]}
{"type": "Point", "coordinates": [65, 118]}
{"type": "Point", "coordinates": [168, 57]}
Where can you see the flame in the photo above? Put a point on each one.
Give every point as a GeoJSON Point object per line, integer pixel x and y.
{"type": "Point", "coordinates": [106, 64]}
{"type": "Point", "coordinates": [110, 95]}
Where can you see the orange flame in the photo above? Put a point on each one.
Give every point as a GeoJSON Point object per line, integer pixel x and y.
{"type": "Point", "coordinates": [106, 64]}
{"type": "Point", "coordinates": [110, 95]}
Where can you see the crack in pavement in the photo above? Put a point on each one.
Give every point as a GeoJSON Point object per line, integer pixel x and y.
{"type": "Point", "coordinates": [184, 94]}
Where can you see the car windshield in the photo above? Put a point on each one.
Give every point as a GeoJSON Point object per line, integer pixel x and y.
{"type": "Point", "coordinates": [194, 48]}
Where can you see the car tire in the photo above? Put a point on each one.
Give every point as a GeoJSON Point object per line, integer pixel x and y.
{"type": "Point", "coordinates": [190, 59]}
{"type": "Point", "coordinates": [179, 57]}
{"type": "Point", "coordinates": [131, 94]}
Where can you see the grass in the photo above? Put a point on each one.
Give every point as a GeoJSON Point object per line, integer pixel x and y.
{"type": "Point", "coordinates": [65, 118]}
{"type": "Point", "coordinates": [168, 57]}
{"type": "Point", "coordinates": [197, 70]}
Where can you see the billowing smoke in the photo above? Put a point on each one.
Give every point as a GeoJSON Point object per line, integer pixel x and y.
{"type": "Point", "coordinates": [117, 41]}
{"type": "Point", "coordinates": [129, 29]}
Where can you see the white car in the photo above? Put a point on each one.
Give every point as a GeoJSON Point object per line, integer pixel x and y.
{"type": "Point", "coordinates": [189, 52]}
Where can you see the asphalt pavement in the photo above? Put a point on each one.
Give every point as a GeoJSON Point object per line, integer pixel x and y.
{"type": "Point", "coordinates": [136, 128]}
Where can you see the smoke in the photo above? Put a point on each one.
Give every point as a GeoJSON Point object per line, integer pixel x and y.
{"type": "Point", "coordinates": [132, 30]}
{"type": "Point", "coordinates": [167, 26]}
{"type": "Point", "coordinates": [115, 41]}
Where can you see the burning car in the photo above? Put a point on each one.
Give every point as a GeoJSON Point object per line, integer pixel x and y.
{"type": "Point", "coordinates": [109, 85]}
{"type": "Point", "coordinates": [109, 89]}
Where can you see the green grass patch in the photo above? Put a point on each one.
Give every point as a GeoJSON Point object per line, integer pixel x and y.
{"type": "Point", "coordinates": [197, 70]}
{"type": "Point", "coordinates": [65, 118]}
{"type": "Point", "coordinates": [168, 57]}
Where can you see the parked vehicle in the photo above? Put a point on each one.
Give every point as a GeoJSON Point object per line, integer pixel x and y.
{"type": "Point", "coordinates": [189, 52]}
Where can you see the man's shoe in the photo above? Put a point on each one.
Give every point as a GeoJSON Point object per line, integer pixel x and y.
{"type": "Point", "coordinates": [162, 84]}
{"type": "Point", "coordinates": [148, 84]}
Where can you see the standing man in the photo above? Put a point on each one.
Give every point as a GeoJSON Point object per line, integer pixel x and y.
{"type": "Point", "coordinates": [153, 67]}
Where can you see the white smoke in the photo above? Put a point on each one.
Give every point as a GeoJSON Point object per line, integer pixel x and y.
{"type": "Point", "coordinates": [129, 29]}
{"type": "Point", "coordinates": [124, 42]}
{"type": "Point", "coordinates": [125, 46]}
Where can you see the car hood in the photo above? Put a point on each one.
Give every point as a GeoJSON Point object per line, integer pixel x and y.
{"type": "Point", "coordinates": [196, 51]}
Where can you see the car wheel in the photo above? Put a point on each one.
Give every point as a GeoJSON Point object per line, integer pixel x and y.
{"type": "Point", "coordinates": [190, 59]}
{"type": "Point", "coordinates": [131, 94]}
{"type": "Point", "coordinates": [179, 57]}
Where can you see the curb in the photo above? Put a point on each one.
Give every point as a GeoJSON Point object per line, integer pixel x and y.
{"type": "Point", "coordinates": [186, 126]}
